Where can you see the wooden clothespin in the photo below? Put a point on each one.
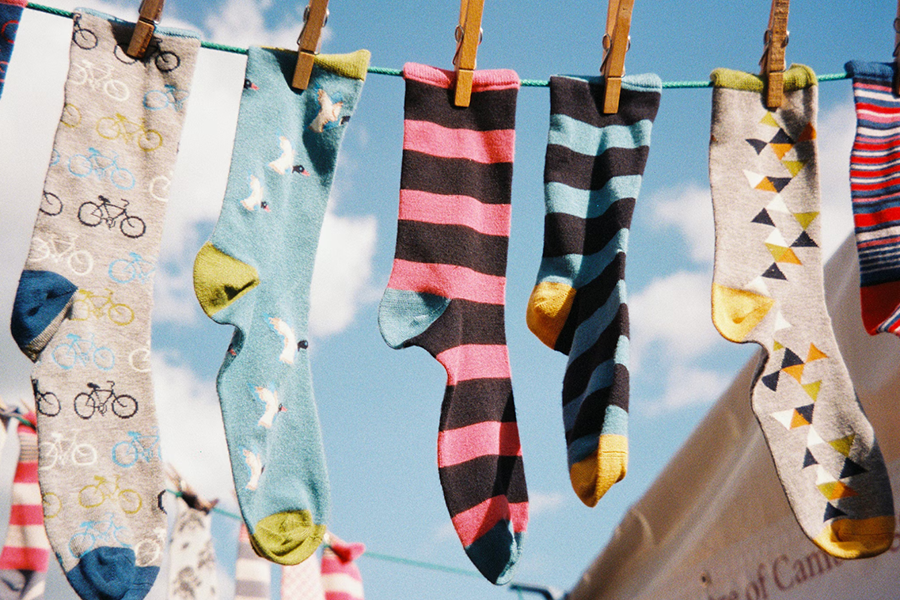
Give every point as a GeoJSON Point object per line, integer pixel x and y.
{"type": "Point", "coordinates": [150, 14]}
{"type": "Point", "coordinates": [615, 44]}
{"type": "Point", "coordinates": [314, 18]}
{"type": "Point", "coordinates": [468, 37]}
{"type": "Point", "coordinates": [897, 52]}
{"type": "Point", "coordinates": [772, 61]}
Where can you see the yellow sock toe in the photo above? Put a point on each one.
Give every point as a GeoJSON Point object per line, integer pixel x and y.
{"type": "Point", "coordinates": [849, 538]}
{"type": "Point", "coordinates": [593, 476]}
{"type": "Point", "coordinates": [287, 538]}
{"type": "Point", "coordinates": [548, 309]}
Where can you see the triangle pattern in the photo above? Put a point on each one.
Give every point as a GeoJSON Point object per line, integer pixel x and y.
{"type": "Point", "coordinates": [796, 372]}
{"type": "Point", "coordinates": [758, 145]}
{"type": "Point", "coordinates": [805, 218]}
{"type": "Point", "coordinates": [779, 183]}
{"type": "Point", "coordinates": [813, 438]}
{"type": "Point", "coordinates": [776, 345]}
{"type": "Point", "coordinates": [763, 218]}
{"type": "Point", "coordinates": [832, 513]}
{"type": "Point", "coordinates": [804, 241]}
{"type": "Point", "coordinates": [806, 413]}
{"type": "Point", "coordinates": [754, 179]}
{"type": "Point", "coordinates": [771, 381]}
{"type": "Point", "coordinates": [777, 205]}
{"type": "Point", "coordinates": [759, 286]}
{"type": "Point", "coordinates": [782, 138]}
{"type": "Point", "coordinates": [781, 322]}
{"type": "Point", "coordinates": [850, 469]}
{"type": "Point", "coordinates": [835, 490]}
{"type": "Point", "coordinates": [774, 272]}
{"type": "Point", "coordinates": [814, 353]}
{"type": "Point", "coordinates": [812, 389]}
{"type": "Point", "coordinates": [785, 417]}
{"type": "Point", "coordinates": [769, 119]}
{"type": "Point", "coordinates": [783, 254]}
{"type": "Point", "coordinates": [809, 133]}
{"type": "Point", "coordinates": [809, 460]}
{"type": "Point", "coordinates": [767, 185]}
{"type": "Point", "coordinates": [794, 166]}
{"type": "Point", "coordinates": [781, 149]}
{"type": "Point", "coordinates": [843, 444]}
{"type": "Point", "coordinates": [790, 359]}
{"type": "Point", "coordinates": [776, 239]}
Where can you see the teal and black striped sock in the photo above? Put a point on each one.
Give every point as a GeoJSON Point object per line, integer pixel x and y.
{"type": "Point", "coordinates": [592, 176]}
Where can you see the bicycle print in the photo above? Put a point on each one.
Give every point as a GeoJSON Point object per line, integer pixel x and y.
{"type": "Point", "coordinates": [79, 262]}
{"type": "Point", "coordinates": [103, 167]}
{"type": "Point", "coordinates": [71, 116]}
{"type": "Point", "coordinates": [52, 505]}
{"type": "Point", "coordinates": [106, 211]}
{"type": "Point", "coordinates": [79, 351]}
{"type": "Point", "coordinates": [166, 97]}
{"type": "Point", "coordinates": [147, 550]}
{"type": "Point", "coordinates": [138, 447]}
{"type": "Point", "coordinates": [83, 38]}
{"type": "Point", "coordinates": [133, 268]}
{"type": "Point", "coordinates": [165, 60]}
{"type": "Point", "coordinates": [87, 304]}
{"type": "Point", "coordinates": [92, 496]}
{"type": "Point", "coordinates": [51, 205]}
{"type": "Point", "coordinates": [112, 128]}
{"type": "Point", "coordinates": [98, 399]}
{"type": "Point", "coordinates": [92, 532]}
{"type": "Point", "coordinates": [46, 403]}
{"type": "Point", "coordinates": [139, 359]}
{"type": "Point", "coordinates": [65, 451]}
{"type": "Point", "coordinates": [159, 188]}
{"type": "Point", "coordinates": [98, 77]}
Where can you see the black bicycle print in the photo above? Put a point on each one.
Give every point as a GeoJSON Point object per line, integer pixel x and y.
{"type": "Point", "coordinates": [165, 61]}
{"type": "Point", "coordinates": [83, 38]}
{"type": "Point", "coordinates": [106, 211]}
{"type": "Point", "coordinates": [86, 404]}
{"type": "Point", "coordinates": [51, 205]}
{"type": "Point", "coordinates": [46, 402]}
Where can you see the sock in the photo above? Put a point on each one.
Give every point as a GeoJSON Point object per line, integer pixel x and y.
{"type": "Point", "coordinates": [768, 289]}
{"type": "Point", "coordinates": [592, 177]}
{"type": "Point", "coordinates": [446, 294]}
{"type": "Point", "coordinates": [10, 13]}
{"type": "Point", "coordinates": [23, 562]}
{"type": "Point", "coordinates": [252, 575]}
{"type": "Point", "coordinates": [79, 319]}
{"type": "Point", "coordinates": [875, 189]}
{"type": "Point", "coordinates": [286, 148]}
{"type": "Point", "coordinates": [303, 581]}
{"type": "Point", "coordinates": [341, 579]}
{"type": "Point", "coordinates": [192, 559]}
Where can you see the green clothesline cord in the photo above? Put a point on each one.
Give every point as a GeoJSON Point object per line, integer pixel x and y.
{"type": "Point", "coordinates": [397, 72]}
{"type": "Point", "coordinates": [376, 555]}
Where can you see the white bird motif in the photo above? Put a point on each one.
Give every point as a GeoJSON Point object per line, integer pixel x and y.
{"type": "Point", "coordinates": [288, 337]}
{"type": "Point", "coordinates": [285, 162]}
{"type": "Point", "coordinates": [329, 113]}
{"type": "Point", "coordinates": [255, 197]}
{"type": "Point", "coordinates": [270, 399]}
{"type": "Point", "coordinates": [255, 463]}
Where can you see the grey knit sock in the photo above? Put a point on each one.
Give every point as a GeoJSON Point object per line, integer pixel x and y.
{"type": "Point", "coordinates": [83, 305]}
{"type": "Point", "coordinates": [192, 560]}
{"type": "Point", "coordinates": [768, 289]}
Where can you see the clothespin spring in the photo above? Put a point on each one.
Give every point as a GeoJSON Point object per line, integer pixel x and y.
{"type": "Point", "coordinates": [459, 34]}
{"type": "Point", "coordinates": [306, 21]}
{"type": "Point", "coordinates": [606, 42]}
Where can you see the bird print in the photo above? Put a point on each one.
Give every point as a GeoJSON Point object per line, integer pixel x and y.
{"type": "Point", "coordinates": [300, 169]}
{"type": "Point", "coordinates": [270, 399]}
{"type": "Point", "coordinates": [255, 197]}
{"type": "Point", "coordinates": [284, 162]}
{"type": "Point", "coordinates": [329, 112]}
{"type": "Point", "coordinates": [254, 462]}
{"type": "Point", "coordinates": [287, 336]}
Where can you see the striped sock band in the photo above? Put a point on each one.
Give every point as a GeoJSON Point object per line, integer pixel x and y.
{"type": "Point", "coordinates": [592, 176]}
{"type": "Point", "coordinates": [341, 579]}
{"type": "Point", "coordinates": [446, 295]}
{"type": "Point", "coordinates": [875, 189]}
{"type": "Point", "coordinates": [23, 562]}
{"type": "Point", "coordinates": [252, 574]}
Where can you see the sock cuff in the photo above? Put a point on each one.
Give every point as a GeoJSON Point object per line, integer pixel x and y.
{"type": "Point", "coordinates": [870, 70]}
{"type": "Point", "coordinates": [487, 80]}
{"type": "Point", "coordinates": [20, 3]}
{"type": "Point", "coordinates": [354, 65]}
{"type": "Point", "coordinates": [160, 30]}
{"type": "Point", "coordinates": [797, 77]}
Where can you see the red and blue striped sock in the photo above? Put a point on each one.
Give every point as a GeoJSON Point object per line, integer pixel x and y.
{"type": "Point", "coordinates": [875, 189]}
{"type": "Point", "coordinates": [446, 294]}
{"type": "Point", "coordinates": [10, 13]}
{"type": "Point", "coordinates": [26, 554]}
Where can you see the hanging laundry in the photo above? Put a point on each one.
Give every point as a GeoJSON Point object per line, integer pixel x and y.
{"type": "Point", "coordinates": [303, 581]}
{"type": "Point", "coordinates": [252, 574]}
{"type": "Point", "coordinates": [10, 14]}
{"type": "Point", "coordinates": [341, 578]}
{"type": "Point", "coordinates": [192, 558]}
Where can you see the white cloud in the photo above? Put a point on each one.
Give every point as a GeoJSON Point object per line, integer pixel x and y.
{"type": "Point", "coordinates": [688, 386]}
{"type": "Point", "coordinates": [545, 502]}
{"type": "Point", "coordinates": [688, 208]}
{"type": "Point", "coordinates": [242, 23]}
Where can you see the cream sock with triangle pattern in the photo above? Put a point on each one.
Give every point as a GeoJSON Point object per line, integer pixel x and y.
{"type": "Point", "coordinates": [768, 289]}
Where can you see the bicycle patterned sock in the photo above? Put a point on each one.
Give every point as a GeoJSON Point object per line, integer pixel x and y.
{"type": "Point", "coordinates": [82, 309]}
{"type": "Point", "coordinates": [303, 581]}
{"type": "Point", "coordinates": [192, 558]}
{"type": "Point", "coordinates": [26, 554]}
{"type": "Point", "coordinates": [768, 289]}
{"type": "Point", "coordinates": [252, 575]}
{"type": "Point", "coordinates": [592, 176]}
{"type": "Point", "coordinates": [286, 147]}
{"type": "Point", "coordinates": [10, 13]}
{"type": "Point", "coordinates": [446, 295]}
{"type": "Point", "coordinates": [875, 189]}
{"type": "Point", "coordinates": [341, 579]}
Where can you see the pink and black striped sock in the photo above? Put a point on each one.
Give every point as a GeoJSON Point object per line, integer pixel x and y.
{"type": "Point", "coordinates": [25, 556]}
{"type": "Point", "coordinates": [875, 188]}
{"type": "Point", "coordinates": [446, 294]}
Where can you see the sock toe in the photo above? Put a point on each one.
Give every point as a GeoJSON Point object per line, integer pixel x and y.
{"type": "Point", "coordinates": [287, 538]}
{"type": "Point", "coordinates": [593, 476]}
{"type": "Point", "coordinates": [496, 552]}
{"type": "Point", "coordinates": [548, 308]}
{"type": "Point", "coordinates": [857, 538]}
{"type": "Point", "coordinates": [107, 573]}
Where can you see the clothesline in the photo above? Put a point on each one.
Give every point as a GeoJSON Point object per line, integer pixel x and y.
{"type": "Point", "coordinates": [397, 72]}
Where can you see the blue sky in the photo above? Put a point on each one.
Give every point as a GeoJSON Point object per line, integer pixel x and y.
{"type": "Point", "coordinates": [379, 408]}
